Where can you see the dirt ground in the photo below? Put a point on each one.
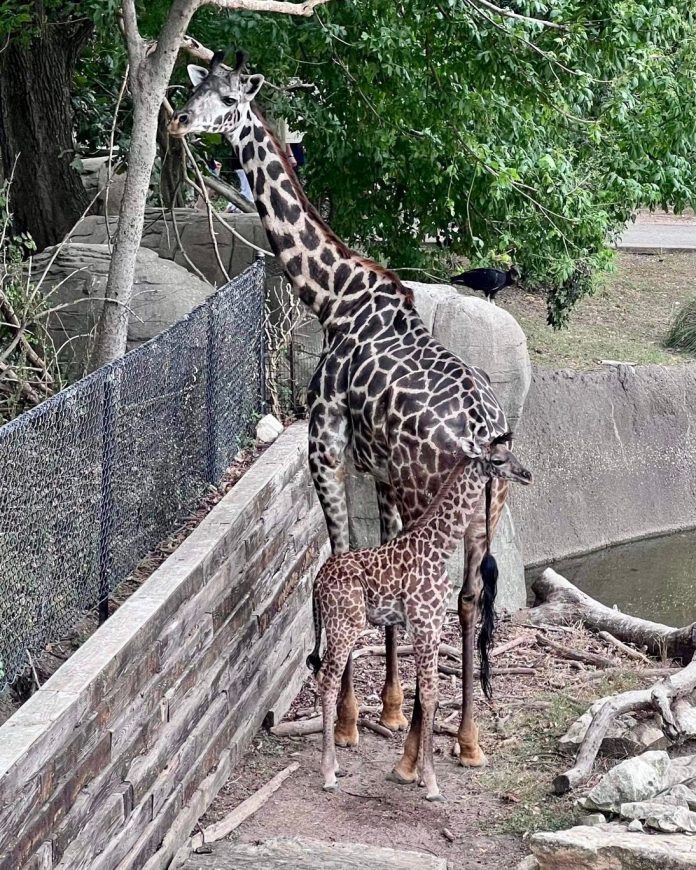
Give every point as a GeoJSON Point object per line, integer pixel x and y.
{"type": "Point", "coordinates": [488, 811]}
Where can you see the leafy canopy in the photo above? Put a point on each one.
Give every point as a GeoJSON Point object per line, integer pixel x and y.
{"type": "Point", "coordinates": [527, 144]}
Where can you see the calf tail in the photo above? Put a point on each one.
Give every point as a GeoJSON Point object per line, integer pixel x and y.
{"type": "Point", "coordinates": [314, 658]}
{"type": "Point", "coordinates": [489, 577]}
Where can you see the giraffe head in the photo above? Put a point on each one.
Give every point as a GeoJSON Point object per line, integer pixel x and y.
{"type": "Point", "coordinates": [501, 462]}
{"type": "Point", "coordinates": [221, 99]}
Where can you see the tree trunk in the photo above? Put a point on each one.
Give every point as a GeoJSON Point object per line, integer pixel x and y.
{"type": "Point", "coordinates": [112, 329]}
{"type": "Point", "coordinates": [36, 131]}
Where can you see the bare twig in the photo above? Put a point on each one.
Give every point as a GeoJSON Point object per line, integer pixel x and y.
{"type": "Point", "coordinates": [627, 650]}
{"type": "Point", "coordinates": [579, 656]}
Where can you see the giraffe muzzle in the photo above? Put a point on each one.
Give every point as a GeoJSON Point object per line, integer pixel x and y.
{"type": "Point", "coordinates": [178, 124]}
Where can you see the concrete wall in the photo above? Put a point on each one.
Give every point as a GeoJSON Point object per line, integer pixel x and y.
{"type": "Point", "coordinates": [114, 759]}
{"type": "Point", "coordinates": [614, 458]}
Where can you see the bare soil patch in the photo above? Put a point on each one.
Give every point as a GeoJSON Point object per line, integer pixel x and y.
{"type": "Point", "coordinates": [488, 810]}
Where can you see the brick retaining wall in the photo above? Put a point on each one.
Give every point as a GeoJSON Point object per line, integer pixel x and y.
{"type": "Point", "coordinates": [111, 763]}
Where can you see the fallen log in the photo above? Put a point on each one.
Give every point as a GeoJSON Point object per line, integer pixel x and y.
{"type": "Point", "coordinates": [658, 697]}
{"type": "Point", "coordinates": [567, 652]}
{"type": "Point", "coordinates": [558, 601]}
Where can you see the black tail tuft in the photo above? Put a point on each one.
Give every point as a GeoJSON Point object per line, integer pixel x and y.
{"type": "Point", "coordinates": [314, 658]}
{"type": "Point", "coordinates": [489, 576]}
{"type": "Point", "coordinates": [314, 662]}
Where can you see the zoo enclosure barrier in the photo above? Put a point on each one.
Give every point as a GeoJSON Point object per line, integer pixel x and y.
{"type": "Point", "coordinates": [95, 477]}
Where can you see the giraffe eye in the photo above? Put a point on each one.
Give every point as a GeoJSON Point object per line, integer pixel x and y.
{"type": "Point", "coordinates": [229, 101]}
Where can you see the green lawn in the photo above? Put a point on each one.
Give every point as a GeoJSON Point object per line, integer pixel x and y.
{"type": "Point", "coordinates": [626, 319]}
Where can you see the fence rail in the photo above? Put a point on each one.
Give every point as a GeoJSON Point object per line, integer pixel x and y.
{"type": "Point", "coordinates": [92, 479]}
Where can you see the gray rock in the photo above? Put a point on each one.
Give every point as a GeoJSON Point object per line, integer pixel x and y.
{"type": "Point", "coordinates": [644, 809]}
{"type": "Point", "coordinates": [613, 457]}
{"type": "Point", "coordinates": [682, 794]}
{"type": "Point", "coordinates": [268, 429]}
{"type": "Point", "coordinates": [612, 847]}
{"type": "Point", "coordinates": [595, 819]}
{"type": "Point", "coordinates": [486, 336]}
{"type": "Point", "coordinates": [162, 294]}
{"type": "Point", "coordinates": [625, 735]}
{"type": "Point", "coordinates": [636, 779]}
{"type": "Point", "coordinates": [671, 820]}
{"type": "Point", "coordinates": [95, 173]}
{"type": "Point", "coordinates": [635, 826]}
{"type": "Point", "coordinates": [160, 235]}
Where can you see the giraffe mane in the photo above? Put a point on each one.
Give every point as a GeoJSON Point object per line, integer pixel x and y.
{"type": "Point", "coordinates": [341, 246]}
{"type": "Point", "coordinates": [434, 506]}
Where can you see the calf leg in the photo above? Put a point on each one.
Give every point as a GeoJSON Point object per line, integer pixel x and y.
{"type": "Point", "coordinates": [426, 663]}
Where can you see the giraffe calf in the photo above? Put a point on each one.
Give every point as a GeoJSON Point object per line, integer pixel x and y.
{"type": "Point", "coordinates": [403, 582]}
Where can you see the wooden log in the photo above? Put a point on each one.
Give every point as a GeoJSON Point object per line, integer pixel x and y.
{"type": "Point", "coordinates": [376, 727]}
{"type": "Point", "coordinates": [406, 649]}
{"type": "Point", "coordinates": [558, 601]}
{"type": "Point", "coordinates": [576, 655]}
{"type": "Point", "coordinates": [511, 644]}
{"type": "Point", "coordinates": [624, 648]}
{"type": "Point", "coordinates": [659, 697]}
{"type": "Point", "coordinates": [246, 809]}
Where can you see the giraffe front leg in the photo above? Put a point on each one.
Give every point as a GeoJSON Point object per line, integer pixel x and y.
{"type": "Point", "coordinates": [405, 771]}
{"type": "Point", "coordinates": [427, 668]}
{"type": "Point", "coordinates": [392, 716]}
{"type": "Point", "coordinates": [392, 694]}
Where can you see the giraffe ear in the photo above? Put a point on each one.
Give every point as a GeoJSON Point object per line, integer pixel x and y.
{"type": "Point", "coordinates": [470, 448]}
{"type": "Point", "coordinates": [252, 86]}
{"type": "Point", "coordinates": [197, 74]}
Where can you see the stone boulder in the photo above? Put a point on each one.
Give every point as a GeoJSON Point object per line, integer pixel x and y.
{"type": "Point", "coordinates": [95, 172]}
{"type": "Point", "coordinates": [163, 293]}
{"type": "Point", "coordinates": [612, 847]}
{"type": "Point", "coordinates": [488, 337]}
{"type": "Point", "coordinates": [626, 735]}
{"type": "Point", "coordinates": [635, 779]}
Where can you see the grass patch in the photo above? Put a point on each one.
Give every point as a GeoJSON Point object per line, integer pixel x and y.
{"type": "Point", "coordinates": [626, 319]}
{"type": "Point", "coordinates": [522, 774]}
{"type": "Point", "coordinates": [682, 333]}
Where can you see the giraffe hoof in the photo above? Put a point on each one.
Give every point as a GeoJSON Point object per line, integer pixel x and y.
{"type": "Point", "coordinates": [400, 779]}
{"type": "Point", "coordinates": [394, 721]}
{"type": "Point", "coordinates": [436, 798]}
{"type": "Point", "coordinates": [474, 758]}
{"type": "Point", "coordinates": [330, 789]}
{"type": "Point", "coordinates": [346, 737]}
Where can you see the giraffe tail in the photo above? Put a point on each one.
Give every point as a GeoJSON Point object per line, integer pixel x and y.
{"type": "Point", "coordinates": [314, 658]}
{"type": "Point", "coordinates": [489, 577]}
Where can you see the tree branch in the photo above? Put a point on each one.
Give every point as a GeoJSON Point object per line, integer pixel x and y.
{"type": "Point", "coordinates": [281, 6]}
{"type": "Point", "coordinates": [508, 13]}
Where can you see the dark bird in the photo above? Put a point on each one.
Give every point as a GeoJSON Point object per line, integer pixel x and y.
{"type": "Point", "coordinates": [488, 281]}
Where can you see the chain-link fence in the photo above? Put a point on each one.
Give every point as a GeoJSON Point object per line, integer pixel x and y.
{"type": "Point", "coordinates": [95, 477]}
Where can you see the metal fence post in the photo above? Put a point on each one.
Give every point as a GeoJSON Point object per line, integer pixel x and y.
{"type": "Point", "coordinates": [211, 395]}
{"type": "Point", "coordinates": [107, 495]}
{"type": "Point", "coordinates": [261, 290]}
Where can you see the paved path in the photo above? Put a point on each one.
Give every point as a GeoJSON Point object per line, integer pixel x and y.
{"type": "Point", "coordinates": [660, 232]}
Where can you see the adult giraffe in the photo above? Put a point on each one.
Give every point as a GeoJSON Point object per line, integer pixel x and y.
{"type": "Point", "coordinates": [385, 392]}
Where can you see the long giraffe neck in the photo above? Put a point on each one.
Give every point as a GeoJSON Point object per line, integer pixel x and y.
{"type": "Point", "coordinates": [445, 520]}
{"type": "Point", "coordinates": [328, 277]}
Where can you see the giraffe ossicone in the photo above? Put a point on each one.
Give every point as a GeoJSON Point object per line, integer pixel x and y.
{"type": "Point", "coordinates": [385, 391]}
{"type": "Point", "coordinates": [401, 582]}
